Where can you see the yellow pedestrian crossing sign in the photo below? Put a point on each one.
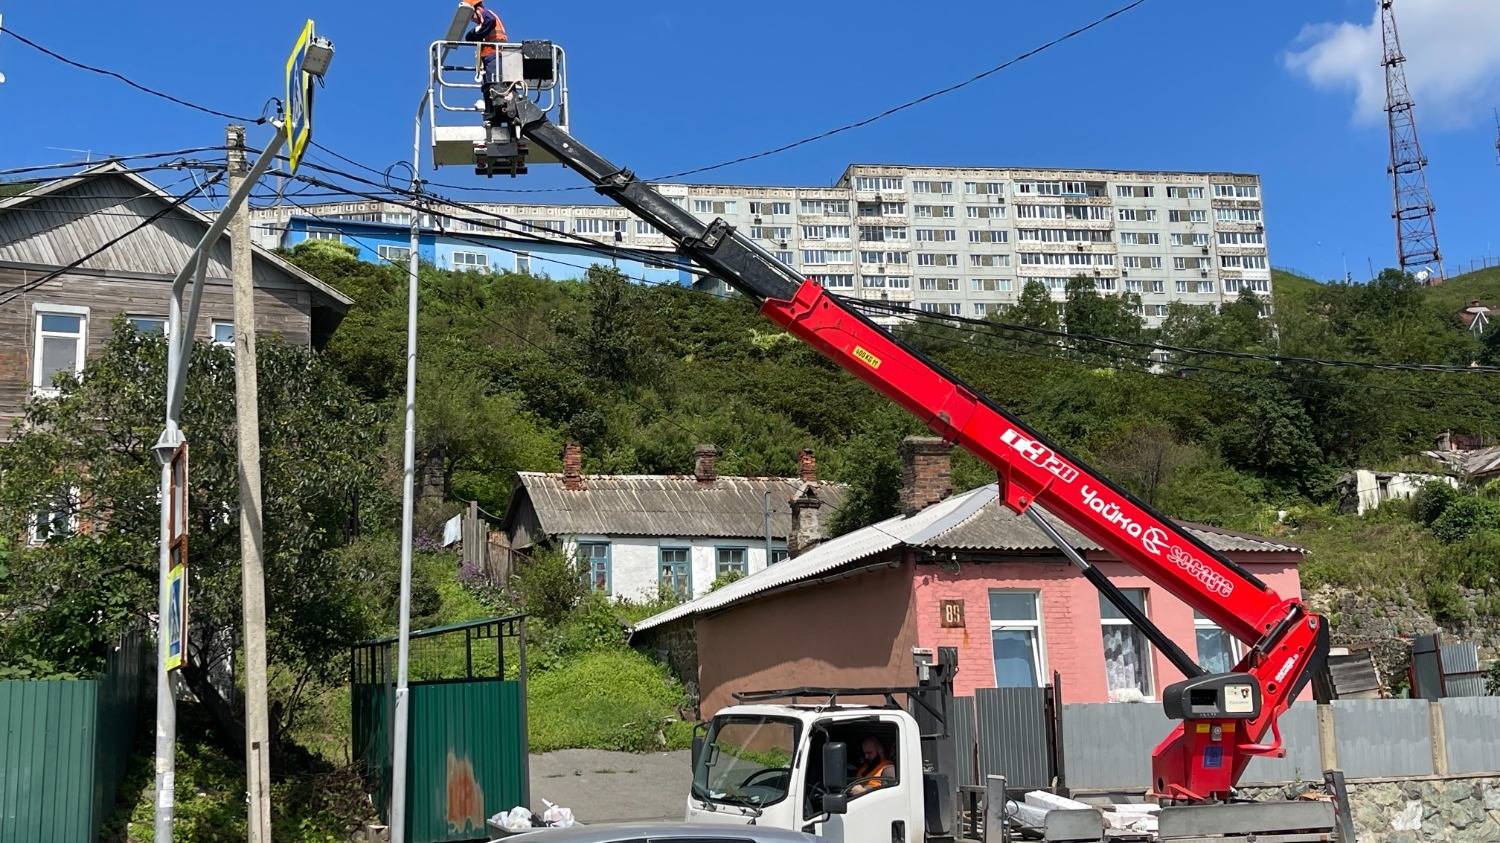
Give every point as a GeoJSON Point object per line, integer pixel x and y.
{"type": "Point", "coordinates": [299, 98]}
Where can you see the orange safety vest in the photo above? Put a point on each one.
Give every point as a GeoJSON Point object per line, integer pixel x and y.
{"type": "Point", "coordinates": [482, 18]}
{"type": "Point", "coordinates": [871, 772]}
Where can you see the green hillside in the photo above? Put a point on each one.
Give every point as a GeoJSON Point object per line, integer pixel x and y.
{"type": "Point", "coordinates": [1458, 291]}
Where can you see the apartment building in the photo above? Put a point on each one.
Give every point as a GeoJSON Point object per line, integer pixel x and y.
{"type": "Point", "coordinates": [962, 241]}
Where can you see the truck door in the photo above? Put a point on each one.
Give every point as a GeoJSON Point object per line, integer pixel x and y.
{"type": "Point", "coordinates": [879, 809]}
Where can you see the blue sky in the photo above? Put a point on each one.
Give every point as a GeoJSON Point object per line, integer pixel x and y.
{"type": "Point", "coordinates": [663, 86]}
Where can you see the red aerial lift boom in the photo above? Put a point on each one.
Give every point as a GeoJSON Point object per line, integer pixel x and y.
{"type": "Point", "coordinates": [1225, 717]}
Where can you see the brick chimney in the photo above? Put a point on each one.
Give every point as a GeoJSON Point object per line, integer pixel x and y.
{"type": "Point", "coordinates": [807, 466]}
{"type": "Point", "coordinates": [926, 472]}
{"type": "Point", "coordinates": [807, 521]}
{"type": "Point", "coordinates": [705, 465]}
{"type": "Point", "coordinates": [573, 467]}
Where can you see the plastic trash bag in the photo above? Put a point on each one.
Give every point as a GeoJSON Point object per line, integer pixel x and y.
{"type": "Point", "coordinates": [519, 819]}
{"type": "Point", "coordinates": [558, 817]}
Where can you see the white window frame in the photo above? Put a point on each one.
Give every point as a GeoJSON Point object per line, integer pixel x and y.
{"type": "Point", "coordinates": [213, 332]}
{"type": "Point", "coordinates": [81, 340]}
{"type": "Point", "coordinates": [523, 263]}
{"type": "Point", "coordinates": [470, 267]}
{"type": "Point", "coordinates": [1149, 692]}
{"type": "Point", "coordinates": [393, 254]}
{"type": "Point", "coordinates": [34, 532]}
{"type": "Point", "coordinates": [134, 318]}
{"type": "Point", "coordinates": [1202, 624]}
{"type": "Point", "coordinates": [1037, 629]}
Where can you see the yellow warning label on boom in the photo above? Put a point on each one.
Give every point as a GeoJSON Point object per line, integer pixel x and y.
{"type": "Point", "coordinates": [866, 357]}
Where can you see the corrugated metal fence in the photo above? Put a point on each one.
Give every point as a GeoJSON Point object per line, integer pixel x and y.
{"type": "Point", "coordinates": [1008, 732]}
{"type": "Point", "coordinates": [1108, 746]}
{"type": "Point", "coordinates": [64, 747]}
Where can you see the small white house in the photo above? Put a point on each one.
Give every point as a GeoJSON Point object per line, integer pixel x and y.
{"type": "Point", "coordinates": [1363, 491]}
{"type": "Point", "coordinates": [636, 536]}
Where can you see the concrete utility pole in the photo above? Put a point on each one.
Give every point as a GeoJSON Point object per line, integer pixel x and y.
{"type": "Point", "coordinates": [252, 565]}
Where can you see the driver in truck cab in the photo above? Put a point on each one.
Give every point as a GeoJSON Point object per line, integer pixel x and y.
{"type": "Point", "coordinates": [875, 770]}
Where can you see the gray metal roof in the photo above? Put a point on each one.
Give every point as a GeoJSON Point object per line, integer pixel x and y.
{"type": "Point", "coordinates": [1470, 463]}
{"type": "Point", "coordinates": [59, 222]}
{"type": "Point", "coordinates": [833, 555]}
{"type": "Point", "coordinates": [998, 528]}
{"type": "Point", "coordinates": [669, 506]}
{"type": "Point", "coordinates": [974, 521]}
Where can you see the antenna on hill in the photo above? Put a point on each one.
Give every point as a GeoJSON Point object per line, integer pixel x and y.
{"type": "Point", "coordinates": [1415, 215]}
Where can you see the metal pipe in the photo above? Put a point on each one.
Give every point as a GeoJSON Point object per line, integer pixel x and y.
{"type": "Point", "coordinates": [177, 381]}
{"type": "Point", "coordinates": [399, 729]}
{"type": "Point", "coordinates": [166, 706]}
{"type": "Point", "coordinates": [1117, 598]}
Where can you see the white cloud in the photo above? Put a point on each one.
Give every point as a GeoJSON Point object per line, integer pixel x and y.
{"type": "Point", "coordinates": [1452, 67]}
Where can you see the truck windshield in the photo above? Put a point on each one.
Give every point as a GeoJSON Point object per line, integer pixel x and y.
{"type": "Point", "coordinates": [747, 761]}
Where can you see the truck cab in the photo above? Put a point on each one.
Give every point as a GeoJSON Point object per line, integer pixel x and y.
{"type": "Point", "coordinates": [798, 767]}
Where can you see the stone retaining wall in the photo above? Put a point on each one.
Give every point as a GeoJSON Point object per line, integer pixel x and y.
{"type": "Point", "coordinates": [1425, 810]}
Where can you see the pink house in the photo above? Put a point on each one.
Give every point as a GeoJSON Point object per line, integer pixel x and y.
{"type": "Point", "coordinates": [952, 570]}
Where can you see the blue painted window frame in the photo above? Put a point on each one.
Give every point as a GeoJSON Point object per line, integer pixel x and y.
{"type": "Point", "coordinates": [662, 566]}
{"type": "Point", "coordinates": [589, 563]}
{"type": "Point", "coordinates": [744, 566]}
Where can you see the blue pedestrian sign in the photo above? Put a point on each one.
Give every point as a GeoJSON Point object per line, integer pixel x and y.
{"type": "Point", "coordinates": [299, 98]}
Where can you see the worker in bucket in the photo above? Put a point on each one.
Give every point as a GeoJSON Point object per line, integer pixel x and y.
{"type": "Point", "coordinates": [875, 770]}
{"type": "Point", "coordinates": [489, 30]}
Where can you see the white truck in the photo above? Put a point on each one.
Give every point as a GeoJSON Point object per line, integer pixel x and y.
{"type": "Point", "coordinates": [789, 759]}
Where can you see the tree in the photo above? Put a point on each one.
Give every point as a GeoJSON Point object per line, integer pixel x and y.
{"type": "Point", "coordinates": [1145, 456]}
{"type": "Point", "coordinates": [1034, 308]}
{"type": "Point", "coordinates": [87, 456]}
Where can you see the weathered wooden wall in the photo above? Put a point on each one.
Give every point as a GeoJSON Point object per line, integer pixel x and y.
{"type": "Point", "coordinates": [286, 312]}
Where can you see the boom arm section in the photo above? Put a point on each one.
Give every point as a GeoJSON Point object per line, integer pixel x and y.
{"type": "Point", "coordinates": [1225, 717]}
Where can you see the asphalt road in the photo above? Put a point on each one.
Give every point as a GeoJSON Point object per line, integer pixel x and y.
{"type": "Point", "coordinates": [605, 787]}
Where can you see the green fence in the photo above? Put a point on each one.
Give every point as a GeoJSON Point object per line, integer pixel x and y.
{"type": "Point", "coordinates": [64, 746]}
{"type": "Point", "coordinates": [467, 749]}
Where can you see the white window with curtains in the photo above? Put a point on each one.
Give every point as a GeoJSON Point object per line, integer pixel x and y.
{"type": "Point", "coordinates": [61, 338]}
{"type": "Point", "coordinates": [1127, 655]}
{"type": "Point", "coordinates": [1016, 636]}
{"type": "Point", "coordinates": [1218, 651]}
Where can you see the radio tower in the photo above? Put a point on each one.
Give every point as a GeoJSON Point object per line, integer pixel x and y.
{"type": "Point", "coordinates": [1416, 223]}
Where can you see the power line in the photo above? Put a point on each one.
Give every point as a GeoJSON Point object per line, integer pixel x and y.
{"type": "Point", "coordinates": [911, 103]}
{"type": "Point", "coordinates": [1060, 353]}
{"type": "Point", "coordinates": [128, 81]}
{"type": "Point", "coordinates": [848, 127]}
{"type": "Point", "coordinates": [26, 287]}
{"type": "Point", "coordinates": [522, 338]}
{"type": "Point", "coordinates": [115, 159]}
{"type": "Point", "coordinates": [583, 245]}
{"type": "Point", "coordinates": [990, 325]}
{"type": "Point", "coordinates": [889, 310]}
{"type": "Point", "coordinates": [1237, 355]}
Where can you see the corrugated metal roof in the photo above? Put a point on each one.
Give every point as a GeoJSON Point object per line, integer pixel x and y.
{"type": "Point", "coordinates": [975, 520]}
{"type": "Point", "coordinates": [833, 555]}
{"type": "Point", "coordinates": [998, 528]}
{"type": "Point", "coordinates": [669, 506]}
{"type": "Point", "coordinates": [1470, 463]}
{"type": "Point", "coordinates": [59, 222]}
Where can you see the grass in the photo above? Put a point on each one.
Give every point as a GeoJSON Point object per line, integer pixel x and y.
{"type": "Point", "coordinates": [610, 699]}
{"type": "Point", "coordinates": [1377, 551]}
{"type": "Point", "coordinates": [1458, 291]}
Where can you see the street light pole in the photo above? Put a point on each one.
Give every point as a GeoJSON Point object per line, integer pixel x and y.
{"type": "Point", "coordinates": [399, 730]}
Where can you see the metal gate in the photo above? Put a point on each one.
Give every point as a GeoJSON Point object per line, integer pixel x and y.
{"type": "Point", "coordinates": [467, 756]}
